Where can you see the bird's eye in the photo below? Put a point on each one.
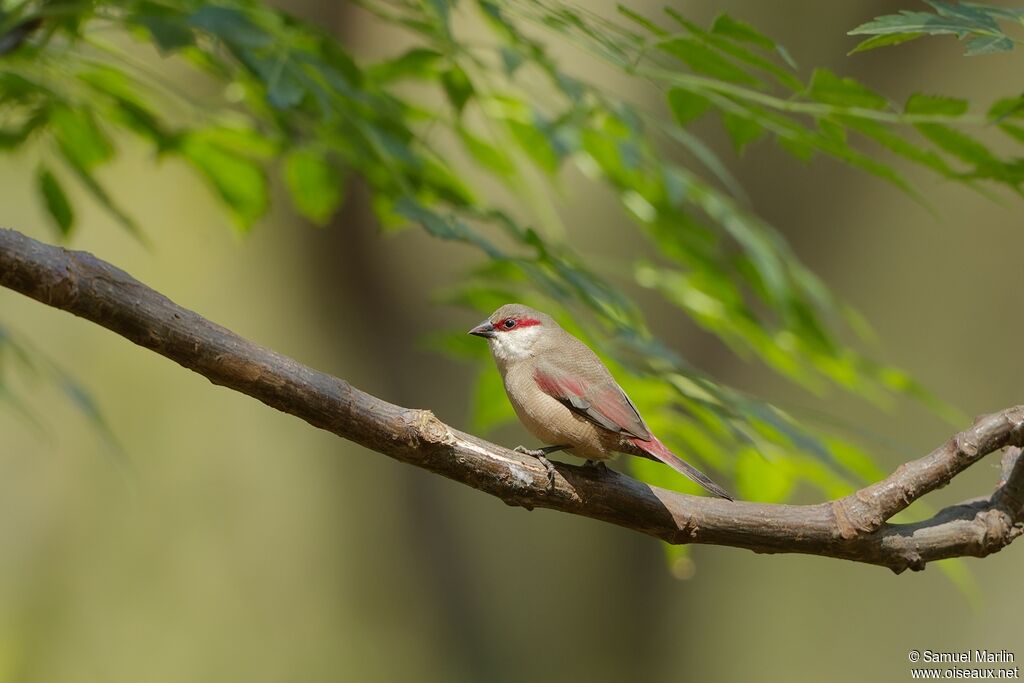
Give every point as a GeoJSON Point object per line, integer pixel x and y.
{"type": "Point", "coordinates": [509, 323]}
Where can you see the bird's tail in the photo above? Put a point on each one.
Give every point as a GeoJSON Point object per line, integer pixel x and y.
{"type": "Point", "coordinates": [660, 452]}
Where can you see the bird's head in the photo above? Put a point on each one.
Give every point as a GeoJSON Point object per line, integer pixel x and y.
{"type": "Point", "coordinates": [514, 330]}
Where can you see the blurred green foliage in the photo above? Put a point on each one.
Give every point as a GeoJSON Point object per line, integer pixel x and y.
{"type": "Point", "coordinates": [23, 368]}
{"type": "Point", "coordinates": [977, 24]}
{"type": "Point", "coordinates": [285, 99]}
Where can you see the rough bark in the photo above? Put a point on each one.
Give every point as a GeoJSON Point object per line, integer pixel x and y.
{"type": "Point", "coordinates": [851, 528]}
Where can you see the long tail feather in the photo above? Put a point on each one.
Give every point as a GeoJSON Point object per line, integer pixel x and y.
{"type": "Point", "coordinates": [660, 452]}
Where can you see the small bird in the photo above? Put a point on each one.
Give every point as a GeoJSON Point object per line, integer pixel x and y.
{"type": "Point", "coordinates": [565, 396]}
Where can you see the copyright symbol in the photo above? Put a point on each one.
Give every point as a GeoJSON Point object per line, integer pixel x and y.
{"type": "Point", "coordinates": [913, 655]}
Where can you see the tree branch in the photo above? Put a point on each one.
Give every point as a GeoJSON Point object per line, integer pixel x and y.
{"type": "Point", "coordinates": [851, 528]}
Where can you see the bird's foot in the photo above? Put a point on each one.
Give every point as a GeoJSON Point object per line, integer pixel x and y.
{"type": "Point", "coordinates": [539, 452]}
{"type": "Point", "coordinates": [542, 455]}
{"type": "Point", "coordinates": [596, 465]}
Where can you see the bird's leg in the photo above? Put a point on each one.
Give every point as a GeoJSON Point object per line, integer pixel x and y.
{"type": "Point", "coordinates": [541, 454]}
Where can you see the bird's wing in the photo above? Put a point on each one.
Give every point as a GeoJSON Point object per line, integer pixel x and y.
{"type": "Point", "coordinates": [600, 400]}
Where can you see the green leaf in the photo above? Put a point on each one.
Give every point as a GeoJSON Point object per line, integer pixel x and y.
{"type": "Point", "coordinates": [511, 60]}
{"type": "Point", "coordinates": [445, 227]}
{"type": "Point", "coordinates": [18, 87]}
{"type": "Point", "coordinates": [896, 143]}
{"type": "Point", "coordinates": [640, 20]}
{"type": "Point", "coordinates": [238, 180]}
{"type": "Point", "coordinates": [486, 154]}
{"type": "Point", "coordinates": [706, 156]}
{"type": "Point", "coordinates": [839, 149]}
{"type": "Point", "coordinates": [418, 63]}
{"type": "Point", "coordinates": [832, 130]}
{"type": "Point", "coordinates": [79, 138]}
{"type": "Point", "coordinates": [15, 136]}
{"type": "Point", "coordinates": [934, 104]}
{"type": "Point", "coordinates": [799, 146]}
{"type": "Point", "coordinates": [169, 29]}
{"type": "Point", "coordinates": [88, 180]}
{"type": "Point", "coordinates": [113, 83]}
{"type": "Point", "coordinates": [131, 108]}
{"type": "Point", "coordinates": [283, 79]}
{"type": "Point", "coordinates": [536, 144]}
{"type": "Point", "coordinates": [57, 204]}
{"type": "Point", "coordinates": [232, 26]}
{"type": "Point", "coordinates": [986, 45]}
{"type": "Point", "coordinates": [959, 144]}
{"type": "Point", "coordinates": [829, 88]}
{"type": "Point", "coordinates": [458, 87]}
{"type": "Point", "coordinates": [240, 140]}
{"type": "Point", "coordinates": [738, 30]}
{"type": "Point", "coordinates": [442, 11]}
{"type": "Point", "coordinates": [735, 29]}
{"type": "Point", "coordinates": [705, 60]}
{"type": "Point", "coordinates": [742, 130]}
{"type": "Point", "coordinates": [975, 14]}
{"type": "Point", "coordinates": [1015, 132]}
{"type": "Point", "coordinates": [736, 48]}
{"type": "Point", "coordinates": [976, 21]}
{"type": "Point", "coordinates": [686, 106]}
{"type": "Point", "coordinates": [995, 12]}
{"type": "Point", "coordinates": [1011, 13]}
{"type": "Point", "coordinates": [1008, 107]}
{"type": "Point", "coordinates": [884, 41]}
{"type": "Point", "coordinates": [492, 14]}
{"type": "Point", "coordinates": [315, 185]}
{"type": "Point", "coordinates": [916, 22]}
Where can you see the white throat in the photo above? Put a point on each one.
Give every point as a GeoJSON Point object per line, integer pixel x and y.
{"type": "Point", "coordinates": [514, 345]}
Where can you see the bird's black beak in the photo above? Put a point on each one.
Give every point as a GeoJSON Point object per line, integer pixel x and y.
{"type": "Point", "coordinates": [484, 329]}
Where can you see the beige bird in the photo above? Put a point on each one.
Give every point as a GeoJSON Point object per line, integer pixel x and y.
{"type": "Point", "coordinates": [565, 396]}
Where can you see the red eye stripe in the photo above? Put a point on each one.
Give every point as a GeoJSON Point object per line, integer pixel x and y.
{"type": "Point", "coordinates": [519, 322]}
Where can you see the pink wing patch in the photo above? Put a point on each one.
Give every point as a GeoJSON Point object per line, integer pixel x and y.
{"type": "Point", "coordinates": [558, 386]}
{"type": "Point", "coordinates": [605, 404]}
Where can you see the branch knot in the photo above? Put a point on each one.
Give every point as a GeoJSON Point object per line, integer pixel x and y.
{"type": "Point", "coordinates": [424, 427]}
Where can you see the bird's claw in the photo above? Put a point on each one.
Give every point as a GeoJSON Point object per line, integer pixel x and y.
{"type": "Point", "coordinates": [551, 471]}
{"type": "Point", "coordinates": [596, 465]}
{"type": "Point", "coordinates": [542, 455]}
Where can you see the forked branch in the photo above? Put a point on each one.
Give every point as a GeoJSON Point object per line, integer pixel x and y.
{"type": "Point", "coordinates": [853, 528]}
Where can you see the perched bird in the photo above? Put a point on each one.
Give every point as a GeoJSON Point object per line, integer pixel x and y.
{"type": "Point", "coordinates": [565, 396]}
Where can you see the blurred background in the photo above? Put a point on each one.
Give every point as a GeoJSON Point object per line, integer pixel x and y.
{"type": "Point", "coordinates": [238, 543]}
